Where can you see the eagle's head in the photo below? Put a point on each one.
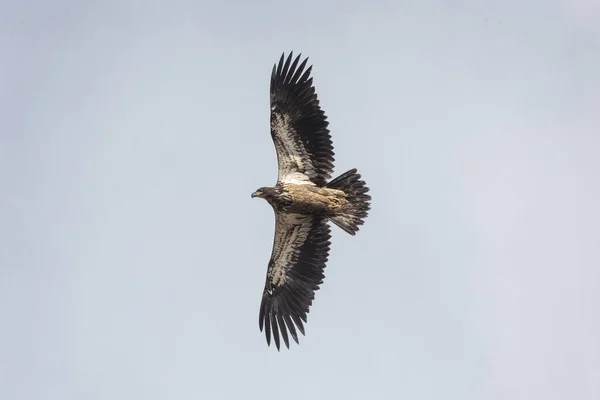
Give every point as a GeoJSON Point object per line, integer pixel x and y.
{"type": "Point", "coordinates": [264, 193]}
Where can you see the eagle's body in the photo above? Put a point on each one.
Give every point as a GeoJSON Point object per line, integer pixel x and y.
{"type": "Point", "coordinates": [304, 201]}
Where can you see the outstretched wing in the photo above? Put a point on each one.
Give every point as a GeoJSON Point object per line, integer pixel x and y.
{"type": "Point", "coordinates": [298, 125]}
{"type": "Point", "coordinates": [295, 271]}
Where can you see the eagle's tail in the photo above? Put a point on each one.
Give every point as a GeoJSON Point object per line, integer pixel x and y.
{"type": "Point", "coordinates": [353, 215]}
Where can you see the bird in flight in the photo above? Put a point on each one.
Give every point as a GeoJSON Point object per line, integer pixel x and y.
{"type": "Point", "coordinates": [303, 201]}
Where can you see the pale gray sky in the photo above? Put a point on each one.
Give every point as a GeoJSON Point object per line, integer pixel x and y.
{"type": "Point", "coordinates": [133, 259]}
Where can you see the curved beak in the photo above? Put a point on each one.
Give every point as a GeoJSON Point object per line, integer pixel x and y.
{"type": "Point", "coordinates": [253, 195]}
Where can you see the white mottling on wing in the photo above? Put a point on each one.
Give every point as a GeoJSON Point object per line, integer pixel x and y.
{"type": "Point", "coordinates": [297, 178]}
{"type": "Point", "coordinates": [295, 165]}
{"type": "Point", "coordinates": [291, 231]}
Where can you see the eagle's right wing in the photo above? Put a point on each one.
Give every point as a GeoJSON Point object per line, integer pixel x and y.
{"type": "Point", "coordinates": [300, 251]}
{"type": "Point", "coordinates": [299, 126]}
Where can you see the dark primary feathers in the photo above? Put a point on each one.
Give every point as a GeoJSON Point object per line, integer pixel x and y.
{"type": "Point", "coordinates": [300, 251]}
{"type": "Point", "coordinates": [298, 125]}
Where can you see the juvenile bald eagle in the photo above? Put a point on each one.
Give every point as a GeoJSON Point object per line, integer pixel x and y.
{"type": "Point", "coordinates": [303, 201]}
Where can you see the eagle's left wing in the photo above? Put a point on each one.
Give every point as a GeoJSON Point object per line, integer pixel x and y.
{"type": "Point", "coordinates": [299, 126]}
{"type": "Point", "coordinates": [300, 251]}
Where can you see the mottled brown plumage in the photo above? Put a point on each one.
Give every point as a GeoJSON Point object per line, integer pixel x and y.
{"type": "Point", "coordinates": [303, 200]}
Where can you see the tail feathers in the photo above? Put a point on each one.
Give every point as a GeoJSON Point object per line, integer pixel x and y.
{"type": "Point", "coordinates": [353, 215]}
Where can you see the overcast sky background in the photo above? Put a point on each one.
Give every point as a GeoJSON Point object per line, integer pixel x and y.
{"type": "Point", "coordinates": [132, 258]}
